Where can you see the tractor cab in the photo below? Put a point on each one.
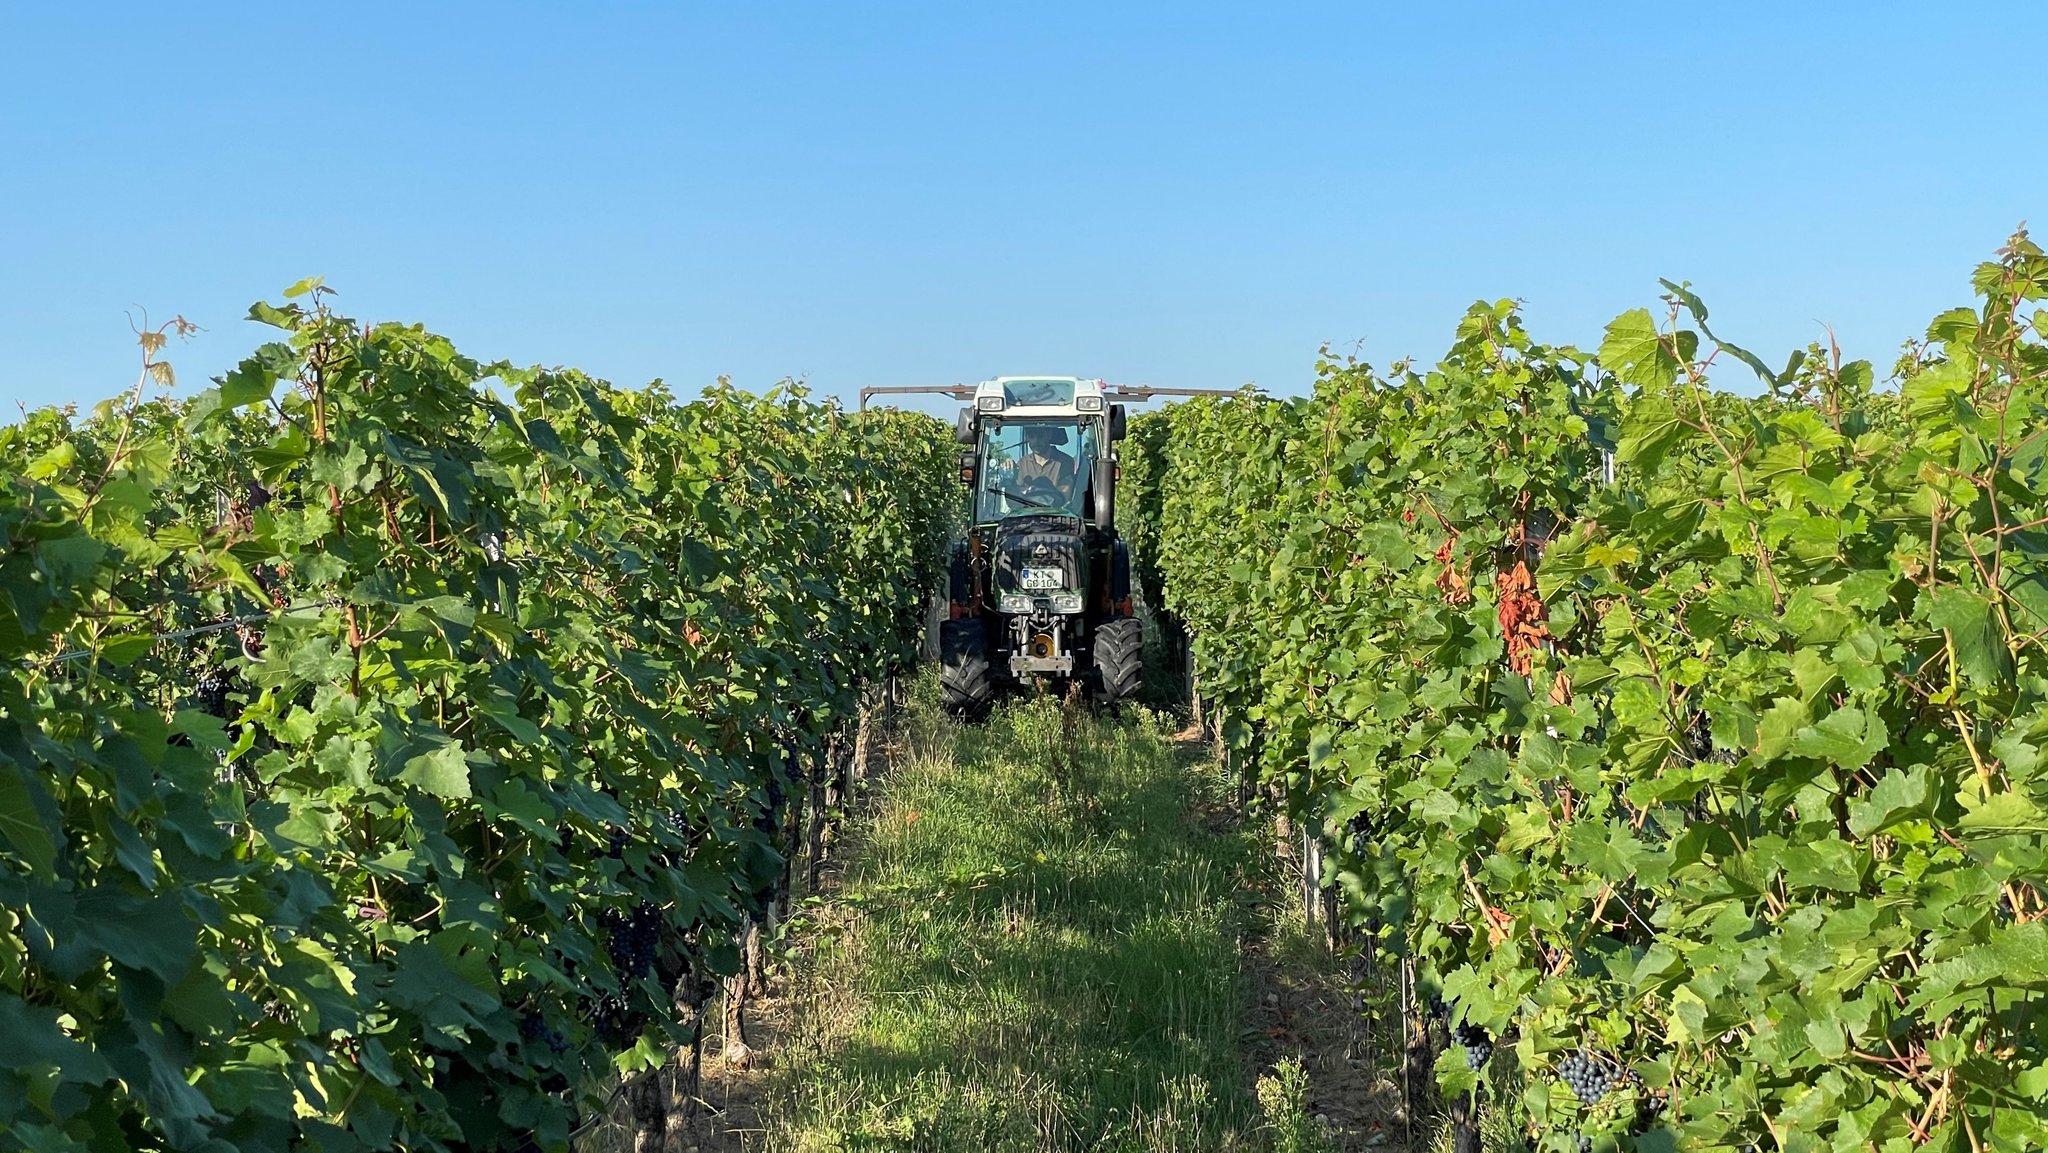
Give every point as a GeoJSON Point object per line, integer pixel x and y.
{"type": "Point", "coordinates": [1041, 575]}
{"type": "Point", "coordinates": [1038, 445]}
{"type": "Point", "coordinates": [1040, 589]}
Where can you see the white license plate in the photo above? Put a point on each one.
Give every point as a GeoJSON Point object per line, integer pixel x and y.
{"type": "Point", "coordinates": [1042, 578]}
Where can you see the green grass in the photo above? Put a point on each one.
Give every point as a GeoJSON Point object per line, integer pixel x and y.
{"type": "Point", "coordinates": [1037, 948]}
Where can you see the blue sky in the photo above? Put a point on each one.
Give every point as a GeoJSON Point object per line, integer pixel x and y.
{"type": "Point", "coordinates": [1185, 194]}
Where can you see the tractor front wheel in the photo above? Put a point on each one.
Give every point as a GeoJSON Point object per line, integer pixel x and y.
{"type": "Point", "coordinates": [963, 669]}
{"type": "Point", "coordinates": [1119, 659]}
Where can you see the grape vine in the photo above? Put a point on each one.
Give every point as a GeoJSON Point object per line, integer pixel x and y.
{"type": "Point", "coordinates": [385, 734]}
{"type": "Point", "coordinates": [1699, 737]}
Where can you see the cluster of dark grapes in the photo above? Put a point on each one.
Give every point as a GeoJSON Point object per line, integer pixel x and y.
{"type": "Point", "coordinates": [210, 691]}
{"type": "Point", "coordinates": [1360, 828]}
{"type": "Point", "coordinates": [1648, 1109]}
{"type": "Point", "coordinates": [617, 847]}
{"type": "Point", "coordinates": [534, 1030]}
{"type": "Point", "coordinates": [1474, 1039]}
{"type": "Point", "coordinates": [616, 1019]}
{"type": "Point", "coordinates": [769, 821]}
{"type": "Point", "coordinates": [633, 939]}
{"type": "Point", "coordinates": [271, 579]}
{"type": "Point", "coordinates": [1478, 1044]}
{"type": "Point", "coordinates": [1699, 741]}
{"type": "Point", "coordinates": [681, 825]}
{"type": "Point", "coordinates": [1589, 1080]}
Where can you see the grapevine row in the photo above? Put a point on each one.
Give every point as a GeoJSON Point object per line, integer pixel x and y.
{"type": "Point", "coordinates": [393, 745]}
{"type": "Point", "coordinates": [1691, 744]}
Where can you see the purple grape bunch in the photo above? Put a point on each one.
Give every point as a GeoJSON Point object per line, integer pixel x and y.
{"type": "Point", "coordinates": [534, 1030]}
{"type": "Point", "coordinates": [1477, 1042]}
{"type": "Point", "coordinates": [1588, 1079]}
{"type": "Point", "coordinates": [616, 1020]}
{"type": "Point", "coordinates": [633, 939]}
{"type": "Point", "coordinates": [210, 691]}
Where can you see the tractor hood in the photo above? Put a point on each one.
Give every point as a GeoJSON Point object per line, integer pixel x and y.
{"type": "Point", "coordinates": [1039, 543]}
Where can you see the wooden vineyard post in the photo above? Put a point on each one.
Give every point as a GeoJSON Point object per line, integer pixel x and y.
{"type": "Point", "coordinates": [814, 832]}
{"type": "Point", "coordinates": [738, 1055]}
{"type": "Point", "coordinates": [1334, 933]}
{"type": "Point", "coordinates": [1311, 875]}
{"type": "Point", "coordinates": [1366, 993]}
{"type": "Point", "coordinates": [863, 734]}
{"type": "Point", "coordinates": [686, 1065]}
{"type": "Point", "coordinates": [1464, 1124]}
{"type": "Point", "coordinates": [1416, 1056]}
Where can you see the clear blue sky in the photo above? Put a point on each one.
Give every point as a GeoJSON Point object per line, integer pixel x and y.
{"type": "Point", "coordinates": [1186, 194]}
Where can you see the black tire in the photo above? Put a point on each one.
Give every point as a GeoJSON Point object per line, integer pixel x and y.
{"type": "Point", "coordinates": [1119, 659]}
{"type": "Point", "coordinates": [935, 610]}
{"type": "Point", "coordinates": [964, 673]}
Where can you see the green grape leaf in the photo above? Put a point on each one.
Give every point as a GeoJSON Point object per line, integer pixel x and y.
{"type": "Point", "coordinates": [1899, 794]}
{"type": "Point", "coordinates": [1847, 738]}
{"type": "Point", "coordinates": [21, 822]}
{"type": "Point", "coordinates": [1633, 351]}
{"type": "Point", "coordinates": [443, 771]}
{"type": "Point", "coordinates": [1968, 620]}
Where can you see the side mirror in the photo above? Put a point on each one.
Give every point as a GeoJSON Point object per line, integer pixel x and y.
{"type": "Point", "coordinates": [964, 429]}
{"type": "Point", "coordinates": [968, 467]}
{"type": "Point", "coordinates": [1102, 487]}
{"type": "Point", "coordinates": [1116, 423]}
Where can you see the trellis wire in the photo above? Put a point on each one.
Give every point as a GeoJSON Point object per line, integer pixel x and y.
{"type": "Point", "coordinates": [194, 631]}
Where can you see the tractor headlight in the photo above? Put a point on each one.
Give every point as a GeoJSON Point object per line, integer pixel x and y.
{"type": "Point", "coordinates": [1088, 404]}
{"type": "Point", "coordinates": [988, 403]}
{"type": "Point", "coordinates": [1014, 603]}
{"type": "Point", "coordinates": [1066, 602]}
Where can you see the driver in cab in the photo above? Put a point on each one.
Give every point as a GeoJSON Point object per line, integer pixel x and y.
{"type": "Point", "coordinates": [1043, 463]}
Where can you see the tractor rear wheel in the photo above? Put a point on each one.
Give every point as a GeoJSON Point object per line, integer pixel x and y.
{"type": "Point", "coordinates": [1120, 659]}
{"type": "Point", "coordinates": [964, 673]}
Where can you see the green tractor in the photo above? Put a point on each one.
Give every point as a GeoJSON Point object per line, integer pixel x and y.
{"type": "Point", "coordinates": [1040, 589]}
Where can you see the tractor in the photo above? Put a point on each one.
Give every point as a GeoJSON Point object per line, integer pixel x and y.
{"type": "Point", "coordinates": [1040, 587]}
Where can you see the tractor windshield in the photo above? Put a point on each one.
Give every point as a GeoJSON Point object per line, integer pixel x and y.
{"type": "Point", "coordinates": [1033, 467]}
